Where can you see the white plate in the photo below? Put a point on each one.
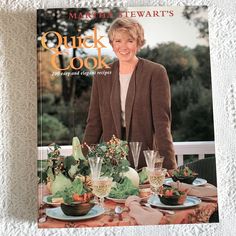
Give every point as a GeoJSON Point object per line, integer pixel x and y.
{"type": "Point", "coordinates": [58, 214]}
{"type": "Point", "coordinates": [50, 203]}
{"type": "Point", "coordinates": [189, 202]}
{"type": "Point", "coordinates": [196, 182]}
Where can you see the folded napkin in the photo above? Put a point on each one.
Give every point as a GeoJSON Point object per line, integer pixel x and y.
{"type": "Point", "coordinates": [142, 215]}
{"type": "Point", "coordinates": [198, 191]}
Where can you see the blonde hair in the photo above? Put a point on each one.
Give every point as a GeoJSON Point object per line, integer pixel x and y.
{"type": "Point", "coordinates": [130, 26]}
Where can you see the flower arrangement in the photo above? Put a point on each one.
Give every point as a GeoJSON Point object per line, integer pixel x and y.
{"type": "Point", "coordinates": [62, 171]}
{"type": "Point", "coordinates": [114, 153]}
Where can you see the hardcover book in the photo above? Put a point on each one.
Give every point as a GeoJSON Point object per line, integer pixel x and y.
{"type": "Point", "coordinates": [125, 117]}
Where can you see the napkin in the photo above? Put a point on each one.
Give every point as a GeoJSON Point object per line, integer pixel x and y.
{"type": "Point", "coordinates": [198, 191]}
{"type": "Point", "coordinates": [142, 215]}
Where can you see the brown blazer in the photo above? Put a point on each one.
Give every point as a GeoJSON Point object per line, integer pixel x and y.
{"type": "Point", "coordinates": [147, 110]}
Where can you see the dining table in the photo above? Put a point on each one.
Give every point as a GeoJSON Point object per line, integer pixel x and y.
{"type": "Point", "coordinates": [200, 213]}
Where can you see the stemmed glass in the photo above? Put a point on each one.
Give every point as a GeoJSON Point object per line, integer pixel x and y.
{"type": "Point", "coordinates": [95, 164]}
{"type": "Point", "coordinates": [135, 149]}
{"type": "Point", "coordinates": [150, 158]}
{"type": "Point", "coordinates": [101, 188]}
{"type": "Point", "coordinates": [156, 174]}
{"type": "Point", "coordinates": [156, 177]}
{"type": "Point", "coordinates": [159, 162]}
{"type": "Point", "coordinates": [101, 184]}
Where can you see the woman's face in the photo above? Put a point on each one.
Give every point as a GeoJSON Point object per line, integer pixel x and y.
{"type": "Point", "coordinates": [124, 46]}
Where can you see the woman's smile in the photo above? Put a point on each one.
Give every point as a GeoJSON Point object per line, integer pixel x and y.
{"type": "Point", "coordinates": [124, 46]}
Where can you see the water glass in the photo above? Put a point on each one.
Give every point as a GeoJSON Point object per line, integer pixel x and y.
{"type": "Point", "coordinates": [95, 164]}
{"type": "Point", "coordinates": [156, 177]}
{"type": "Point", "coordinates": [135, 149]}
{"type": "Point", "coordinates": [101, 188]}
{"type": "Point", "coordinates": [150, 158]}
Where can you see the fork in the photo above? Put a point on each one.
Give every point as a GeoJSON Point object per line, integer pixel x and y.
{"type": "Point", "coordinates": [161, 210]}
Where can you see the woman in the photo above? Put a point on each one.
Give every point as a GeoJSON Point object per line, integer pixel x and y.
{"type": "Point", "coordinates": [133, 101]}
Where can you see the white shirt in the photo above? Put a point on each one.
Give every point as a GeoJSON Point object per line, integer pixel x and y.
{"type": "Point", "coordinates": [124, 85]}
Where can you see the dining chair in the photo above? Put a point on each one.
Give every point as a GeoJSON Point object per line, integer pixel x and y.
{"type": "Point", "coordinates": [206, 169]}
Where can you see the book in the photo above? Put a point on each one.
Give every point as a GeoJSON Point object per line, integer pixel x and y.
{"type": "Point", "coordinates": [106, 78]}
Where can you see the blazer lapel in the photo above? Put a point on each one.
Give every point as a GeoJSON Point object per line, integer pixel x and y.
{"type": "Point", "coordinates": [130, 97]}
{"type": "Point", "coordinates": [115, 99]}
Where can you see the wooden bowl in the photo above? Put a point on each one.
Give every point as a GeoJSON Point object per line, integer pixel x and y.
{"type": "Point", "coordinates": [185, 179]}
{"type": "Point", "coordinates": [77, 208]}
{"type": "Point", "coordinates": [173, 200]}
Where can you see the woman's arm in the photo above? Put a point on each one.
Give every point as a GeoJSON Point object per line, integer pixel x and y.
{"type": "Point", "coordinates": [161, 115]}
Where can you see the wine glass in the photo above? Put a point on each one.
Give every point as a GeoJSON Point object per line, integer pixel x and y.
{"type": "Point", "coordinates": [156, 177]}
{"type": "Point", "coordinates": [159, 162]}
{"type": "Point", "coordinates": [150, 158]}
{"type": "Point", "coordinates": [135, 149]}
{"type": "Point", "coordinates": [101, 188]}
{"type": "Point", "coordinates": [95, 164]}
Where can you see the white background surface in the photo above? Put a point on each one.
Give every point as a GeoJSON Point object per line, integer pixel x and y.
{"type": "Point", "coordinates": [18, 109]}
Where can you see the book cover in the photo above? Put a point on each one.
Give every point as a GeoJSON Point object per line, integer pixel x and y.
{"type": "Point", "coordinates": [130, 87]}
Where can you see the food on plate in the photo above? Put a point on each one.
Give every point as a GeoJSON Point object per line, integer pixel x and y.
{"type": "Point", "coordinates": [75, 193]}
{"type": "Point", "coordinates": [57, 200]}
{"type": "Point", "coordinates": [172, 196]}
{"type": "Point", "coordinates": [185, 175]}
{"type": "Point", "coordinates": [124, 189]}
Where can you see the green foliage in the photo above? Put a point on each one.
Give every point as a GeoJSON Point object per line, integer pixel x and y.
{"type": "Point", "coordinates": [67, 193]}
{"type": "Point", "coordinates": [179, 61]}
{"type": "Point", "coordinates": [123, 189]}
{"type": "Point", "coordinates": [194, 15]}
{"type": "Point", "coordinates": [203, 72]}
{"type": "Point", "coordinates": [184, 93]}
{"type": "Point", "coordinates": [143, 176]}
{"type": "Point", "coordinates": [197, 120]}
{"type": "Point", "coordinates": [190, 78]}
{"type": "Point", "coordinates": [114, 155]}
{"type": "Point", "coordinates": [183, 172]}
{"type": "Point", "coordinates": [51, 128]}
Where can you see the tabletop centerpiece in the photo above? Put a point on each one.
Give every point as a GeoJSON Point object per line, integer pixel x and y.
{"type": "Point", "coordinates": [115, 165]}
{"type": "Point", "coordinates": [69, 177]}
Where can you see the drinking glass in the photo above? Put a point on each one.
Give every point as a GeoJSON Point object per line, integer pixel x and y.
{"type": "Point", "coordinates": [150, 158]}
{"type": "Point", "coordinates": [159, 162]}
{"type": "Point", "coordinates": [101, 188]}
{"type": "Point", "coordinates": [135, 149]}
{"type": "Point", "coordinates": [156, 177]}
{"type": "Point", "coordinates": [95, 164]}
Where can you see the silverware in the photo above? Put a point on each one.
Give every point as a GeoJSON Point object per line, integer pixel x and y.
{"type": "Point", "coordinates": [206, 199]}
{"type": "Point", "coordinates": [161, 210]}
{"type": "Point", "coordinates": [42, 218]}
{"type": "Point", "coordinates": [118, 211]}
{"type": "Point", "coordinates": [167, 211]}
{"type": "Point", "coordinates": [111, 217]}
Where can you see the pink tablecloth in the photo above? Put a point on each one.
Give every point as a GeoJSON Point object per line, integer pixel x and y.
{"type": "Point", "coordinates": [197, 214]}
